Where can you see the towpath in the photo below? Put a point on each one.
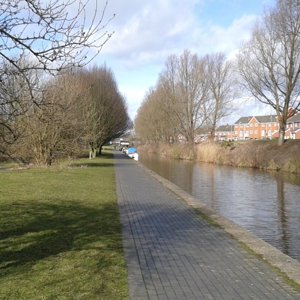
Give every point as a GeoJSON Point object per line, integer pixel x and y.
{"type": "Point", "coordinates": [173, 253]}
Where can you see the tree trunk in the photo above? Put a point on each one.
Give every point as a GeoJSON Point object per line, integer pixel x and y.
{"type": "Point", "coordinates": [191, 134]}
{"type": "Point", "coordinates": [191, 139]}
{"type": "Point", "coordinates": [212, 133]}
{"type": "Point", "coordinates": [282, 128]}
{"type": "Point", "coordinates": [92, 153]}
{"type": "Point", "coordinates": [281, 137]}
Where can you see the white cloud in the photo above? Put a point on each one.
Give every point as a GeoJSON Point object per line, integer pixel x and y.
{"type": "Point", "coordinates": [147, 32]}
{"type": "Point", "coordinates": [227, 39]}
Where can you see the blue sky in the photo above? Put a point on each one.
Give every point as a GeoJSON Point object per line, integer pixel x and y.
{"type": "Point", "coordinates": [147, 32]}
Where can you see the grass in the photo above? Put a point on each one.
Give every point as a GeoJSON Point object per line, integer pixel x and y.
{"type": "Point", "coordinates": [60, 234]}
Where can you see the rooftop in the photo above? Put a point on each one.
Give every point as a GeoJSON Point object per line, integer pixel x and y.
{"type": "Point", "coordinates": [295, 118]}
{"type": "Point", "coordinates": [260, 119]}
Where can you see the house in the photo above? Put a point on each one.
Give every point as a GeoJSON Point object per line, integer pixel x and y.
{"type": "Point", "coordinates": [225, 133]}
{"type": "Point", "coordinates": [293, 126]}
{"type": "Point", "coordinates": [251, 127]}
{"type": "Point", "coordinates": [256, 127]}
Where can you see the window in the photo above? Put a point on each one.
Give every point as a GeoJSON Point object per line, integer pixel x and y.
{"type": "Point", "coordinates": [256, 125]}
{"type": "Point", "coordinates": [269, 124]}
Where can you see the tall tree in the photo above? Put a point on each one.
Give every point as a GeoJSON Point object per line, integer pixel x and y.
{"type": "Point", "coordinates": [154, 121]}
{"type": "Point", "coordinates": [270, 62]}
{"type": "Point", "coordinates": [186, 86]}
{"type": "Point", "coordinates": [45, 36]}
{"type": "Point", "coordinates": [222, 89]}
{"type": "Point", "coordinates": [105, 112]}
{"type": "Point", "coordinates": [77, 109]}
{"type": "Point", "coordinates": [51, 129]}
{"type": "Point", "coordinates": [16, 93]}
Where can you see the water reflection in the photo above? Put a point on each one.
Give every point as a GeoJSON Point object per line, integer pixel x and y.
{"type": "Point", "coordinates": [268, 204]}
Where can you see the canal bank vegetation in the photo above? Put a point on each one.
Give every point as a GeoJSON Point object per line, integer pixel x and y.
{"type": "Point", "coordinates": [264, 155]}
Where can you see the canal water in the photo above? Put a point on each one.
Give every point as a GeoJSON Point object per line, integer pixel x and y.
{"type": "Point", "coordinates": [267, 204]}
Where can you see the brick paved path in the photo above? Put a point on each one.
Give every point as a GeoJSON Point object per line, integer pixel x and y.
{"type": "Point", "coordinates": [172, 253]}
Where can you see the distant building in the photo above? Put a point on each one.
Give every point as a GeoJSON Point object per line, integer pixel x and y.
{"type": "Point", "coordinates": [120, 143]}
{"type": "Point", "coordinates": [250, 128]}
{"type": "Point", "coordinates": [256, 127]}
{"type": "Point", "coordinates": [293, 127]}
{"type": "Point", "coordinates": [225, 133]}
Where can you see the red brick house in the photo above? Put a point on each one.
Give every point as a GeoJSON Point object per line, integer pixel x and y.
{"type": "Point", "coordinates": [293, 126]}
{"type": "Point", "coordinates": [256, 127]}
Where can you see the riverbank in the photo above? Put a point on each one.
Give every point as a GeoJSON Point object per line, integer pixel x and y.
{"type": "Point", "coordinates": [264, 155]}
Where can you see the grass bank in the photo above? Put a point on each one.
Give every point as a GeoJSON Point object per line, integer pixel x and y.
{"type": "Point", "coordinates": [265, 155]}
{"type": "Point", "coordinates": [60, 234]}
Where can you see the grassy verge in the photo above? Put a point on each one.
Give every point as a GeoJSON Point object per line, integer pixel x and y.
{"type": "Point", "coordinates": [60, 235]}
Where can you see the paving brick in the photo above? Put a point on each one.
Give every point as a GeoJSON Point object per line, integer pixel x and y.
{"type": "Point", "coordinates": [172, 253]}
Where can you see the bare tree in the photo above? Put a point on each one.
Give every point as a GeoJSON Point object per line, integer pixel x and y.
{"type": "Point", "coordinates": [270, 62]}
{"type": "Point", "coordinates": [179, 104]}
{"type": "Point", "coordinates": [154, 121]}
{"type": "Point", "coordinates": [45, 36]}
{"type": "Point", "coordinates": [186, 86]}
{"type": "Point", "coordinates": [78, 109]}
{"type": "Point", "coordinates": [15, 101]}
{"type": "Point", "coordinates": [222, 89]}
{"type": "Point", "coordinates": [50, 130]}
{"type": "Point", "coordinates": [105, 112]}
{"type": "Point", "coordinates": [52, 34]}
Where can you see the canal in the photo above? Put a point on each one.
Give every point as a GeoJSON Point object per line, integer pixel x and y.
{"type": "Point", "coordinates": [267, 204]}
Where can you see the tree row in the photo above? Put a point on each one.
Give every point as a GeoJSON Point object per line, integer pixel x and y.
{"type": "Point", "coordinates": [194, 93]}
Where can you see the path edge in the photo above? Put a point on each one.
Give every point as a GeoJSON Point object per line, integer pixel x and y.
{"type": "Point", "coordinates": [285, 264]}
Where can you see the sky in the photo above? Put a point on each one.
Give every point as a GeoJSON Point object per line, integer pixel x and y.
{"type": "Point", "coordinates": [146, 32]}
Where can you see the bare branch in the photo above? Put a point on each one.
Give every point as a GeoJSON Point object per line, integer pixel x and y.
{"type": "Point", "coordinates": [270, 62]}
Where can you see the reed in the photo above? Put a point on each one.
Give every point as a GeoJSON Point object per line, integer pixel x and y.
{"type": "Point", "coordinates": [265, 155]}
